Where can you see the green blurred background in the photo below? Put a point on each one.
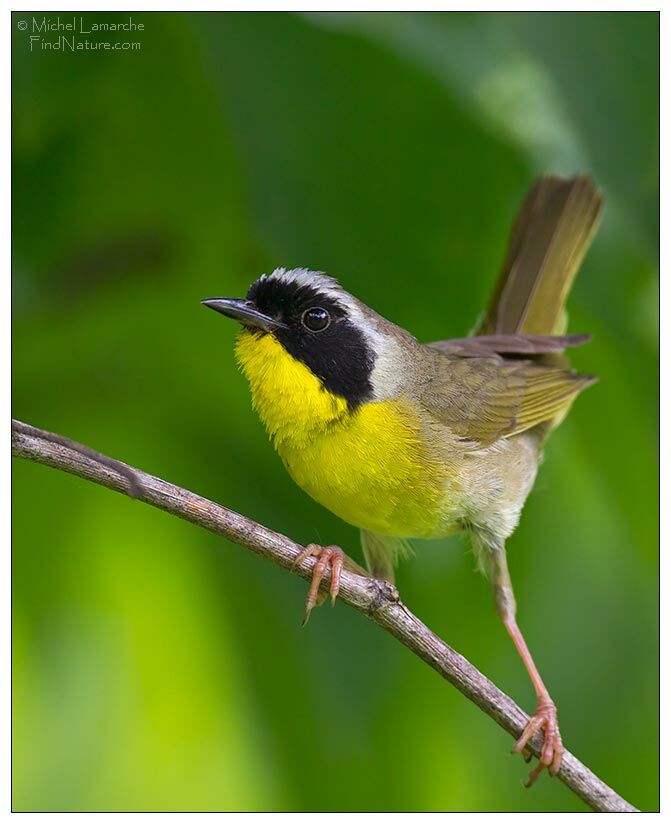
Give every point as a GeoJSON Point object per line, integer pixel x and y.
{"type": "Point", "coordinates": [157, 667]}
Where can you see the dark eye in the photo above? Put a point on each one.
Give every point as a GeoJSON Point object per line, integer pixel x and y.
{"type": "Point", "coordinates": [316, 319]}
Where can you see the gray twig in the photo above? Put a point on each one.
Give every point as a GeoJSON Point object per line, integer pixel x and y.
{"type": "Point", "coordinates": [374, 599]}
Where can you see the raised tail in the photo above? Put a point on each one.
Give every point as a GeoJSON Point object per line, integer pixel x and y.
{"type": "Point", "coordinates": [550, 238]}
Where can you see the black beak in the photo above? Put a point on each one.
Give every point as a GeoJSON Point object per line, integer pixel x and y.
{"type": "Point", "coordinates": [245, 312]}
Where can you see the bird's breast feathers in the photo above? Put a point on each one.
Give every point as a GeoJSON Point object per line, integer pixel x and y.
{"type": "Point", "coordinates": [371, 466]}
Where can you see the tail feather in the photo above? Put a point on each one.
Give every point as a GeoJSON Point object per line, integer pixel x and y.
{"type": "Point", "coordinates": [549, 240]}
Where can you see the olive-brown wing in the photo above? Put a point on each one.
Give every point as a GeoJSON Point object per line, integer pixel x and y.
{"type": "Point", "coordinates": [483, 399]}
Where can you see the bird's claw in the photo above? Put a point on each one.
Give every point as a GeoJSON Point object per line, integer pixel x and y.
{"type": "Point", "coordinates": [329, 558]}
{"type": "Point", "coordinates": [545, 719]}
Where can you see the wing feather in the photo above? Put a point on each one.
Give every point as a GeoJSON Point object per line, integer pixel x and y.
{"type": "Point", "coordinates": [485, 399]}
{"type": "Point", "coordinates": [513, 377]}
{"type": "Point", "coordinates": [484, 345]}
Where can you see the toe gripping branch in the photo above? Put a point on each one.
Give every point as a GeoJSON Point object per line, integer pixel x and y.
{"type": "Point", "coordinates": [330, 562]}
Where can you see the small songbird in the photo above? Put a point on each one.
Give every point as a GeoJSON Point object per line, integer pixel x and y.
{"type": "Point", "coordinates": [408, 440]}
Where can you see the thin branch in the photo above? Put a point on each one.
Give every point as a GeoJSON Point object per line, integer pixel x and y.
{"type": "Point", "coordinates": [376, 600]}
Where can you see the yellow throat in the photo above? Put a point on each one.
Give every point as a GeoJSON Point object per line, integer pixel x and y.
{"type": "Point", "coordinates": [368, 466]}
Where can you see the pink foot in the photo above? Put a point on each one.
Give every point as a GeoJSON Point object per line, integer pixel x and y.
{"type": "Point", "coordinates": [544, 718]}
{"type": "Point", "coordinates": [327, 556]}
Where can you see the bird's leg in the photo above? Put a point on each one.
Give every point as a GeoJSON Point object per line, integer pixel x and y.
{"type": "Point", "coordinates": [545, 714]}
{"type": "Point", "coordinates": [330, 560]}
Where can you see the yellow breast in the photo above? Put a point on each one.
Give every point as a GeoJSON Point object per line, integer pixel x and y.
{"type": "Point", "coordinates": [368, 466]}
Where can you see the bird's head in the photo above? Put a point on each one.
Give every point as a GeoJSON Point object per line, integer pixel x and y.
{"type": "Point", "coordinates": [344, 344]}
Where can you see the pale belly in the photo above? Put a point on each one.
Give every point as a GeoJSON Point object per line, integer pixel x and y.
{"type": "Point", "coordinates": [375, 474]}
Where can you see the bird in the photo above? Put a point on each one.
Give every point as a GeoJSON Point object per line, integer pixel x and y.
{"type": "Point", "coordinates": [406, 440]}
